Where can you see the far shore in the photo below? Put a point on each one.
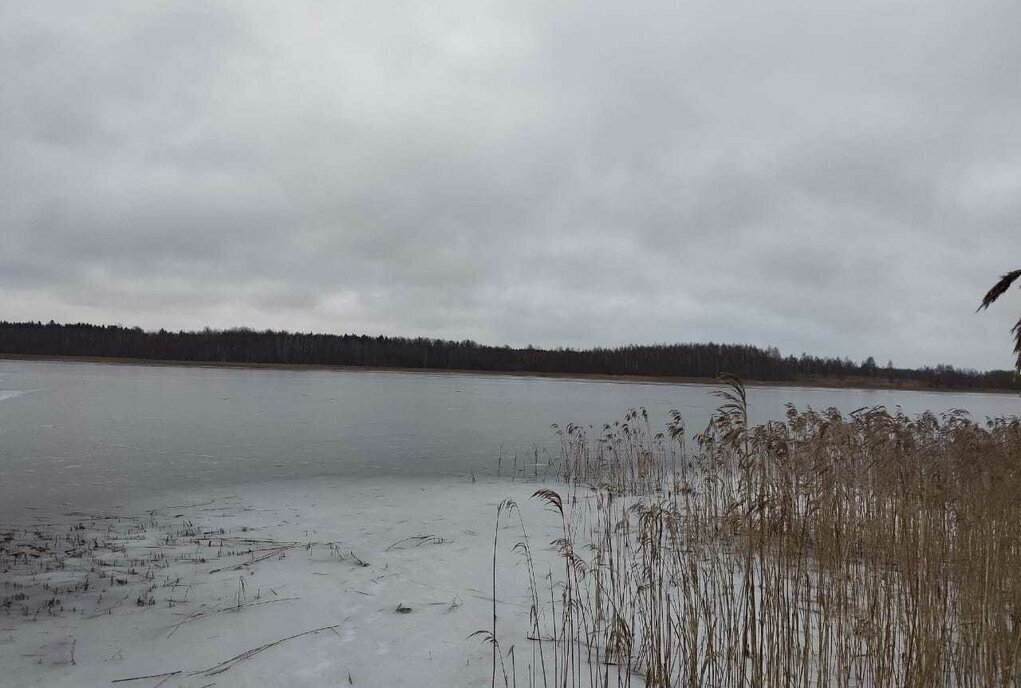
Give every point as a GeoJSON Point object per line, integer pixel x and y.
{"type": "Point", "coordinates": [819, 383]}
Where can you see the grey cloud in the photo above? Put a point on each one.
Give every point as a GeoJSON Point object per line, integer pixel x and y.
{"type": "Point", "coordinates": [840, 179]}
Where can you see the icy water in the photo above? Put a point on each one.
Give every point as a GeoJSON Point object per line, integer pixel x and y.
{"type": "Point", "coordinates": [76, 435]}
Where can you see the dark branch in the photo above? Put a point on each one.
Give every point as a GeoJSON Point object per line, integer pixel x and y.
{"type": "Point", "coordinates": [999, 288]}
{"type": "Point", "coordinates": [1017, 344]}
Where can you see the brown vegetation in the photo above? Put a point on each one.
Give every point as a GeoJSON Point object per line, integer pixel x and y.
{"type": "Point", "coordinates": [869, 550]}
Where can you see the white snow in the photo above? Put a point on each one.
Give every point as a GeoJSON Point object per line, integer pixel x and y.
{"type": "Point", "coordinates": [209, 575]}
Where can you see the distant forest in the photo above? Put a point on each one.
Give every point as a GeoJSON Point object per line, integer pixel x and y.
{"type": "Point", "coordinates": [670, 360]}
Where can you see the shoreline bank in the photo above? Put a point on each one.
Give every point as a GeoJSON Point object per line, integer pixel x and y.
{"type": "Point", "coordinates": [844, 383]}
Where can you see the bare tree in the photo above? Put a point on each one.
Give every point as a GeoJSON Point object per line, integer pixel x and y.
{"type": "Point", "coordinates": [996, 292]}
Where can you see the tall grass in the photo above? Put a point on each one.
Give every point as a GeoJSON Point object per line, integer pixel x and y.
{"type": "Point", "coordinates": [874, 549]}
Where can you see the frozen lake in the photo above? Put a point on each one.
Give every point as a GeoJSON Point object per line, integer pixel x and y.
{"type": "Point", "coordinates": [85, 435]}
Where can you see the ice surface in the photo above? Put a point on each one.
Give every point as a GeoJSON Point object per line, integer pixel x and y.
{"type": "Point", "coordinates": [399, 570]}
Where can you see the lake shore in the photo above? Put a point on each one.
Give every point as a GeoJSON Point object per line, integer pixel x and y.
{"type": "Point", "coordinates": [302, 583]}
{"type": "Point", "coordinates": [826, 383]}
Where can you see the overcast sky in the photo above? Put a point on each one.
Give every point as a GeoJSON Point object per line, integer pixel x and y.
{"type": "Point", "coordinates": [839, 178]}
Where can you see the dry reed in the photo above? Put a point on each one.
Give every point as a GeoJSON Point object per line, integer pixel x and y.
{"type": "Point", "coordinates": [874, 549]}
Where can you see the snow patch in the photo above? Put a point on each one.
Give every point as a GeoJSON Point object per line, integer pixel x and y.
{"type": "Point", "coordinates": [372, 582]}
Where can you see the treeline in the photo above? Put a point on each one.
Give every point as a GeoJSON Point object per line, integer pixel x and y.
{"type": "Point", "coordinates": [672, 360]}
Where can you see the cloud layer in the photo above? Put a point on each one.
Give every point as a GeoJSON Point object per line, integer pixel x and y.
{"type": "Point", "coordinates": [841, 179]}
